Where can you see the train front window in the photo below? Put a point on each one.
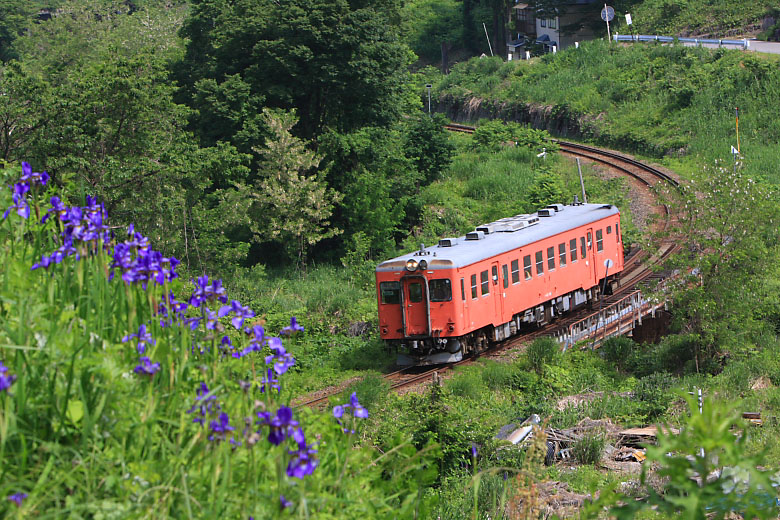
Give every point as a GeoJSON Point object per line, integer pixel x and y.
{"type": "Point", "coordinates": [441, 290]}
{"type": "Point", "coordinates": [391, 292]}
{"type": "Point", "coordinates": [415, 292]}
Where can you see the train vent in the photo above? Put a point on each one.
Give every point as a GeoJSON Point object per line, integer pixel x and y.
{"type": "Point", "coordinates": [556, 207]}
{"type": "Point", "coordinates": [447, 242]}
{"type": "Point", "coordinates": [546, 212]}
{"type": "Point", "coordinates": [511, 225]}
{"type": "Point", "coordinates": [487, 228]}
{"type": "Point", "coordinates": [475, 235]}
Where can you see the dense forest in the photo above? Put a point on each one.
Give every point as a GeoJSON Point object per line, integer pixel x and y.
{"type": "Point", "coordinates": [152, 149]}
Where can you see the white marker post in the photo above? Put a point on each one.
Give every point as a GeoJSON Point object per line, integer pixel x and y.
{"type": "Point", "coordinates": [607, 14]}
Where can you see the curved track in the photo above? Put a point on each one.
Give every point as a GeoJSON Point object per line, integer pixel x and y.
{"type": "Point", "coordinates": [639, 266]}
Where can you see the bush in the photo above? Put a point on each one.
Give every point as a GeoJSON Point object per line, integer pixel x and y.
{"type": "Point", "coordinates": [653, 393]}
{"type": "Point", "coordinates": [617, 350]}
{"type": "Point", "coordinates": [372, 389]}
{"type": "Point", "coordinates": [588, 450]}
{"type": "Point", "coordinates": [542, 351]}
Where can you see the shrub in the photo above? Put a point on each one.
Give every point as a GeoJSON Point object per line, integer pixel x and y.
{"type": "Point", "coordinates": [372, 389]}
{"type": "Point", "coordinates": [542, 351]}
{"type": "Point", "coordinates": [617, 350]}
{"type": "Point", "coordinates": [653, 393]}
{"type": "Point", "coordinates": [588, 450]}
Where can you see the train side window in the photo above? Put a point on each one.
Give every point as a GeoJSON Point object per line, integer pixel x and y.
{"type": "Point", "coordinates": [539, 263]}
{"type": "Point", "coordinates": [551, 258]}
{"type": "Point", "coordinates": [505, 273]}
{"type": "Point", "coordinates": [515, 271]}
{"type": "Point", "coordinates": [590, 240]}
{"type": "Point", "coordinates": [527, 266]}
{"type": "Point", "coordinates": [562, 254]}
{"type": "Point", "coordinates": [462, 290]}
{"type": "Point", "coordinates": [599, 240]}
{"type": "Point", "coordinates": [495, 275]}
{"type": "Point", "coordinates": [617, 232]}
{"type": "Point", "coordinates": [485, 283]}
{"type": "Point", "coordinates": [415, 292]}
{"type": "Point", "coordinates": [573, 249]}
{"type": "Point", "coordinates": [473, 287]}
{"type": "Point", "coordinates": [441, 290]}
{"type": "Point", "coordinates": [390, 291]}
{"type": "Point", "coordinates": [582, 247]}
{"type": "Point", "coordinates": [609, 230]}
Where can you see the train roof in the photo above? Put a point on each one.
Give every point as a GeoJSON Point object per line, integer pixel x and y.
{"type": "Point", "coordinates": [503, 235]}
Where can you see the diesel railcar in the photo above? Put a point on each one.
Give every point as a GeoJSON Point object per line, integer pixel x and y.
{"type": "Point", "coordinates": [440, 303]}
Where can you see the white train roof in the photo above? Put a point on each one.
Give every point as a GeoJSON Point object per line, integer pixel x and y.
{"type": "Point", "coordinates": [503, 235]}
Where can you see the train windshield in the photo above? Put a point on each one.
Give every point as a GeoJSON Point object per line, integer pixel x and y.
{"type": "Point", "coordinates": [391, 292]}
{"type": "Point", "coordinates": [441, 290]}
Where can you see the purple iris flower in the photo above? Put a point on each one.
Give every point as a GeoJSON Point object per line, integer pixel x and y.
{"type": "Point", "coordinates": [146, 367]}
{"type": "Point", "coordinates": [241, 313]}
{"type": "Point", "coordinates": [269, 382]}
{"type": "Point", "coordinates": [359, 411]}
{"type": "Point", "coordinates": [45, 262]}
{"type": "Point", "coordinates": [205, 404]}
{"type": "Point", "coordinates": [220, 428]}
{"type": "Point", "coordinates": [211, 319]}
{"type": "Point", "coordinates": [302, 463]}
{"type": "Point", "coordinates": [20, 202]}
{"type": "Point", "coordinates": [144, 339]}
{"type": "Point", "coordinates": [473, 450]}
{"type": "Point", "coordinates": [56, 207]}
{"type": "Point", "coordinates": [28, 175]}
{"type": "Point", "coordinates": [5, 380]}
{"type": "Point", "coordinates": [284, 503]}
{"type": "Point", "coordinates": [205, 291]}
{"type": "Point", "coordinates": [280, 426]}
{"type": "Point", "coordinates": [18, 498]}
{"type": "Point", "coordinates": [292, 328]}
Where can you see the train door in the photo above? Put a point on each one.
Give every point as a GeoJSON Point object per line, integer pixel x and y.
{"type": "Point", "coordinates": [498, 291]}
{"type": "Point", "coordinates": [594, 272]}
{"type": "Point", "coordinates": [415, 306]}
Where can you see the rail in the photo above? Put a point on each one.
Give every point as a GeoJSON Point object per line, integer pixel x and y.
{"type": "Point", "coordinates": [745, 44]}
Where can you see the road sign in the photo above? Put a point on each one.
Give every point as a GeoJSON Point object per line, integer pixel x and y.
{"type": "Point", "coordinates": [628, 18]}
{"type": "Point", "coordinates": [608, 13]}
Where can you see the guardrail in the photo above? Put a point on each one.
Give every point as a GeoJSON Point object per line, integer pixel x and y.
{"type": "Point", "coordinates": [614, 320]}
{"type": "Point", "coordinates": [745, 44]}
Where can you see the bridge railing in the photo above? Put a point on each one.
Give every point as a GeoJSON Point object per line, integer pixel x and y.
{"type": "Point", "coordinates": [616, 319]}
{"type": "Point", "coordinates": [745, 44]}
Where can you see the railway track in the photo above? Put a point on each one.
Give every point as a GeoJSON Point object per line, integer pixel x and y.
{"type": "Point", "coordinates": [639, 265]}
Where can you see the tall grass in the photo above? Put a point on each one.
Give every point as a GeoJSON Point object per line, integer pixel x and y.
{"type": "Point", "coordinates": [87, 430]}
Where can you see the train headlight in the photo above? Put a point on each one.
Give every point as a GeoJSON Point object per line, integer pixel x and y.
{"type": "Point", "coordinates": [411, 264]}
{"type": "Point", "coordinates": [423, 265]}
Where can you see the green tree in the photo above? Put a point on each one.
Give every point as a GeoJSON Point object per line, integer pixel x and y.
{"type": "Point", "coordinates": [427, 144]}
{"type": "Point", "coordinates": [293, 204]}
{"type": "Point", "coordinates": [340, 64]}
{"type": "Point", "coordinates": [727, 224]}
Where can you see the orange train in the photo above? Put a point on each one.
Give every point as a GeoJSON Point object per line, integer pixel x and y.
{"type": "Point", "coordinates": [455, 298]}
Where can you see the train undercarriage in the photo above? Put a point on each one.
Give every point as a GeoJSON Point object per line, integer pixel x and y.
{"type": "Point", "coordinates": [433, 350]}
